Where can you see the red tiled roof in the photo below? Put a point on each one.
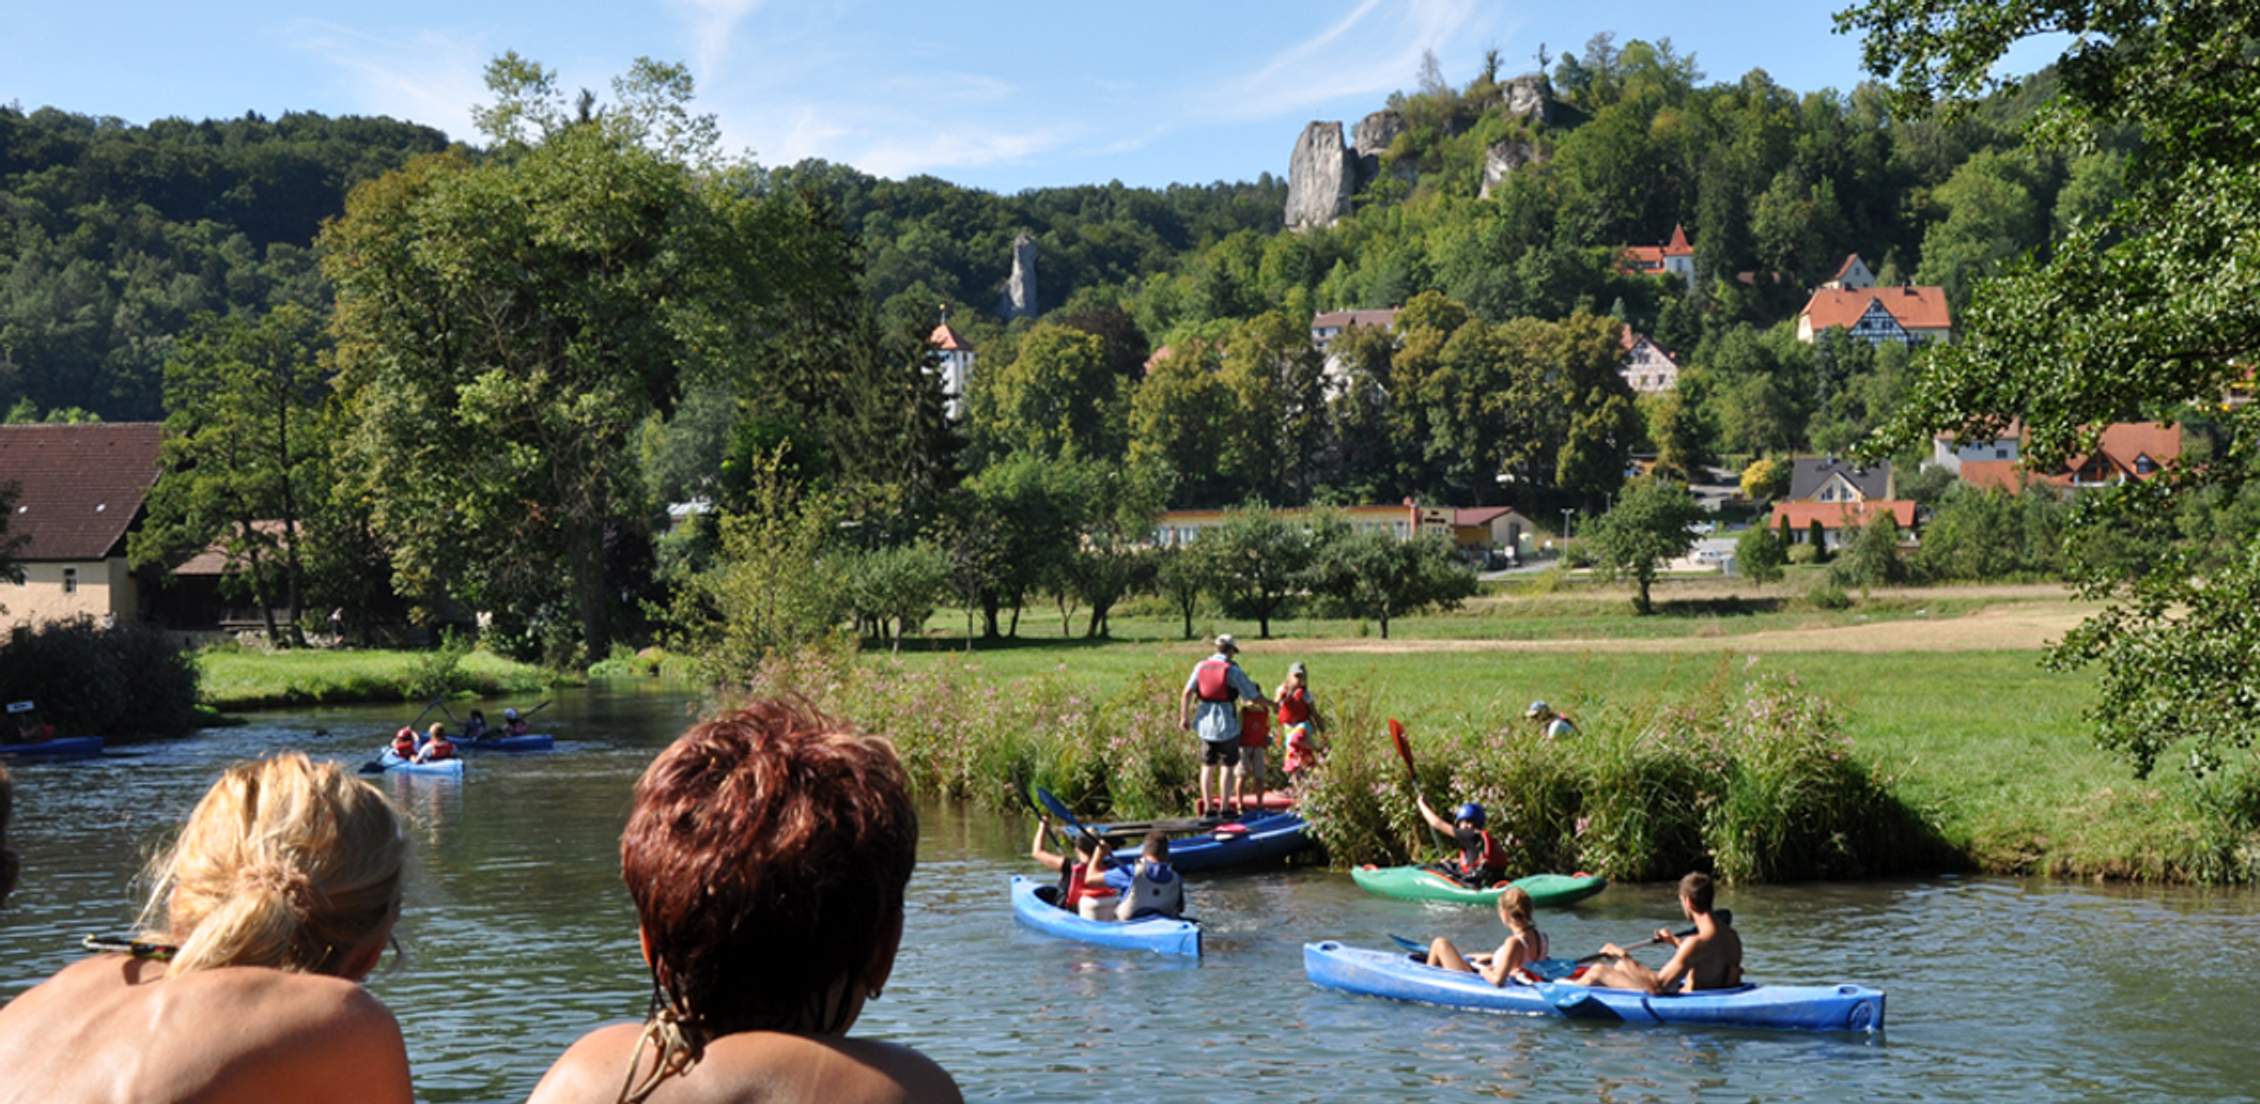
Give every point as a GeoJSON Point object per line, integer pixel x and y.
{"type": "Point", "coordinates": [79, 487]}
{"type": "Point", "coordinates": [1835, 515]}
{"type": "Point", "coordinates": [948, 340]}
{"type": "Point", "coordinates": [2121, 448]}
{"type": "Point", "coordinates": [214, 560]}
{"type": "Point", "coordinates": [1916, 308]}
{"type": "Point", "coordinates": [1650, 258]}
{"type": "Point", "coordinates": [1678, 246]}
{"type": "Point", "coordinates": [2007, 475]}
{"type": "Point", "coordinates": [1479, 515]}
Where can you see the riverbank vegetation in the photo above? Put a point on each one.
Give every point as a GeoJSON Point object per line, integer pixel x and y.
{"type": "Point", "coordinates": [243, 678]}
{"type": "Point", "coordinates": [87, 680]}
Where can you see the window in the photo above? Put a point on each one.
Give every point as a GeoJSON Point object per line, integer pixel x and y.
{"type": "Point", "coordinates": [2145, 465]}
{"type": "Point", "coordinates": [2000, 452]}
{"type": "Point", "coordinates": [70, 580]}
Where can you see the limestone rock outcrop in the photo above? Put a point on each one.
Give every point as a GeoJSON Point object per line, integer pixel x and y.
{"type": "Point", "coordinates": [1020, 291]}
{"type": "Point", "coordinates": [1322, 175]}
{"type": "Point", "coordinates": [1529, 97]}
{"type": "Point", "coordinates": [1503, 159]}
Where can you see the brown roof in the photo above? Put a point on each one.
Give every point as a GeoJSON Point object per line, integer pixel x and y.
{"type": "Point", "coordinates": [948, 340]}
{"type": "Point", "coordinates": [2121, 449]}
{"type": "Point", "coordinates": [1379, 319]}
{"type": "Point", "coordinates": [214, 559]}
{"type": "Point", "coordinates": [1916, 308]}
{"type": "Point", "coordinates": [79, 487]}
{"type": "Point", "coordinates": [1479, 515]}
{"type": "Point", "coordinates": [1835, 515]}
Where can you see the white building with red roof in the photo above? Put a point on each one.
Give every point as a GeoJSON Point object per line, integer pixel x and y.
{"type": "Point", "coordinates": [1675, 257]}
{"type": "Point", "coordinates": [957, 365]}
{"type": "Point", "coordinates": [1648, 368]}
{"type": "Point", "coordinates": [1907, 313]}
{"type": "Point", "coordinates": [75, 491]}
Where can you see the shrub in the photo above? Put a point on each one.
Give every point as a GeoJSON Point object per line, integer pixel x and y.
{"type": "Point", "coordinates": [439, 672]}
{"type": "Point", "coordinates": [1829, 596]}
{"type": "Point", "coordinates": [1758, 554]}
{"type": "Point", "coordinates": [1802, 554]}
{"type": "Point", "coordinates": [128, 680]}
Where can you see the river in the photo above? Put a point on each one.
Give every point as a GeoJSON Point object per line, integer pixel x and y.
{"type": "Point", "coordinates": [520, 938]}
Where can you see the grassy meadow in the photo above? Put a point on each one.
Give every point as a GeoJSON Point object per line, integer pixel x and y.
{"type": "Point", "coordinates": [249, 679]}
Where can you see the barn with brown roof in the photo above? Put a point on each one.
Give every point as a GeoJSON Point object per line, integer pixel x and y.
{"type": "Point", "coordinates": [74, 492]}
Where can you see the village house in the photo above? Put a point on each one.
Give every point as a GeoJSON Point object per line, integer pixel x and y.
{"type": "Point", "coordinates": [1478, 532]}
{"type": "Point", "coordinates": [1674, 257]}
{"type": "Point", "coordinates": [1328, 325]}
{"type": "Point", "coordinates": [2125, 451]}
{"type": "Point", "coordinates": [1841, 496]}
{"type": "Point", "coordinates": [956, 366]}
{"type": "Point", "coordinates": [77, 492]}
{"type": "Point", "coordinates": [1852, 275]}
{"type": "Point", "coordinates": [1906, 313]}
{"type": "Point", "coordinates": [1647, 368]}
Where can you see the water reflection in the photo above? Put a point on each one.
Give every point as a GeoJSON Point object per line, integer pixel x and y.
{"type": "Point", "coordinates": [520, 938]}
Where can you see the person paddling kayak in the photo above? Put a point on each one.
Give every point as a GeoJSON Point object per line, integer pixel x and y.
{"type": "Point", "coordinates": [1084, 888]}
{"type": "Point", "coordinates": [1709, 959]}
{"type": "Point", "coordinates": [436, 745]}
{"type": "Point", "coordinates": [1481, 860]}
{"type": "Point", "coordinates": [1155, 888]}
{"type": "Point", "coordinates": [1525, 944]}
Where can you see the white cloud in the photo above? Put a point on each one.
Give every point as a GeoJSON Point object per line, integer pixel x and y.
{"type": "Point", "coordinates": [431, 77]}
{"type": "Point", "coordinates": [1372, 50]}
{"type": "Point", "coordinates": [711, 24]}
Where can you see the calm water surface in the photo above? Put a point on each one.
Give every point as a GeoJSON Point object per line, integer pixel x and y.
{"type": "Point", "coordinates": [520, 939]}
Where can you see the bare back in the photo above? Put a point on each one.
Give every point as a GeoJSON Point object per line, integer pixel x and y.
{"type": "Point", "coordinates": [1714, 962]}
{"type": "Point", "coordinates": [112, 1029]}
{"type": "Point", "coordinates": [757, 1066]}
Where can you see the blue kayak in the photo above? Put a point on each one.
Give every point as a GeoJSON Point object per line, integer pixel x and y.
{"type": "Point", "coordinates": [1400, 976]}
{"type": "Point", "coordinates": [1033, 904]}
{"type": "Point", "coordinates": [394, 764]}
{"type": "Point", "coordinates": [62, 747]}
{"type": "Point", "coordinates": [1268, 838]}
{"type": "Point", "coordinates": [531, 741]}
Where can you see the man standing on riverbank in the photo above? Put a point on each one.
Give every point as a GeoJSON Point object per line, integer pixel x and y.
{"type": "Point", "coordinates": [1216, 686]}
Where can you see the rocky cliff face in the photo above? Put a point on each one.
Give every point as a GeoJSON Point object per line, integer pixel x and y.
{"type": "Point", "coordinates": [1322, 174]}
{"type": "Point", "coordinates": [1371, 139]}
{"type": "Point", "coordinates": [1529, 97]}
{"type": "Point", "coordinates": [1504, 158]}
{"type": "Point", "coordinates": [1020, 291]}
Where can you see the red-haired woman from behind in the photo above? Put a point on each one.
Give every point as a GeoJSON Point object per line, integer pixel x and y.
{"type": "Point", "coordinates": [767, 852]}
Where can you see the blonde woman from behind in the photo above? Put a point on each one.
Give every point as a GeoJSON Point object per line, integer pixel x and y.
{"type": "Point", "coordinates": [277, 899]}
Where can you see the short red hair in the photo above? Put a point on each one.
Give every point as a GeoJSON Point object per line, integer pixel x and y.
{"type": "Point", "coordinates": [767, 853]}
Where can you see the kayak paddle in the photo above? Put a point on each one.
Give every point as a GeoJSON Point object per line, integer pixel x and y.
{"type": "Point", "coordinates": [528, 713]}
{"type": "Point", "coordinates": [1404, 752]}
{"type": "Point", "coordinates": [1059, 809]}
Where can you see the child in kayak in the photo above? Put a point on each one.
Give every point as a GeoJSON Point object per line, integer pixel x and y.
{"type": "Point", "coordinates": [1525, 944]}
{"type": "Point", "coordinates": [1084, 886]}
{"type": "Point", "coordinates": [404, 743]}
{"type": "Point", "coordinates": [1481, 862]}
{"type": "Point", "coordinates": [1298, 724]}
{"type": "Point", "coordinates": [436, 745]}
{"type": "Point", "coordinates": [1155, 888]}
{"type": "Point", "coordinates": [1709, 959]}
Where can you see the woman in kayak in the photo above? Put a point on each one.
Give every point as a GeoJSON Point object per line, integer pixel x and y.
{"type": "Point", "coordinates": [1525, 944]}
{"type": "Point", "coordinates": [1481, 861]}
{"type": "Point", "coordinates": [279, 896]}
{"type": "Point", "coordinates": [1155, 888]}
{"type": "Point", "coordinates": [767, 852]}
{"type": "Point", "coordinates": [1083, 885]}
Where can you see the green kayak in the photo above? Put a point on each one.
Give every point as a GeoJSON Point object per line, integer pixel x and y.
{"type": "Point", "coordinates": [1416, 883]}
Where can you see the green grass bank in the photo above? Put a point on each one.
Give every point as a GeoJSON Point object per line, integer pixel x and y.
{"type": "Point", "coordinates": [246, 679]}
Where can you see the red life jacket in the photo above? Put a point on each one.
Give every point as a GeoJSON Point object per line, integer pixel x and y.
{"type": "Point", "coordinates": [1212, 681]}
{"type": "Point", "coordinates": [1493, 863]}
{"type": "Point", "coordinates": [404, 746]}
{"type": "Point", "coordinates": [1079, 887]}
{"type": "Point", "coordinates": [1294, 707]}
{"type": "Point", "coordinates": [439, 749]}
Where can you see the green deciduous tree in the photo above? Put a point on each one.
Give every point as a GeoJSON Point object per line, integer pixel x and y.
{"type": "Point", "coordinates": [1650, 524]}
{"type": "Point", "coordinates": [1058, 397]}
{"type": "Point", "coordinates": [1256, 562]}
{"type": "Point", "coordinates": [2131, 315]}
{"type": "Point", "coordinates": [1374, 574]}
{"type": "Point", "coordinates": [245, 458]}
{"type": "Point", "coordinates": [1759, 554]}
{"type": "Point", "coordinates": [774, 585]}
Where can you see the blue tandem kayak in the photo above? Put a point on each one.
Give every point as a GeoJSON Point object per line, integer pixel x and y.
{"type": "Point", "coordinates": [1267, 838]}
{"type": "Point", "coordinates": [394, 764]}
{"type": "Point", "coordinates": [1400, 976]}
{"type": "Point", "coordinates": [1032, 905]}
{"type": "Point", "coordinates": [531, 741]}
{"type": "Point", "coordinates": [62, 747]}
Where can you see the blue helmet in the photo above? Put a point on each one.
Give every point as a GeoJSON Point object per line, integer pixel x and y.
{"type": "Point", "coordinates": [1470, 812]}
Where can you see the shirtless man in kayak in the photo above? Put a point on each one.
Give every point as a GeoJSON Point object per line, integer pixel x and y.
{"type": "Point", "coordinates": [1709, 959]}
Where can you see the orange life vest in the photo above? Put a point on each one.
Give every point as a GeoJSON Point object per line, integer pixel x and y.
{"type": "Point", "coordinates": [1213, 681]}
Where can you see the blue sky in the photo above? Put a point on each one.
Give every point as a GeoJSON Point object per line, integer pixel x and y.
{"type": "Point", "coordinates": [1001, 96]}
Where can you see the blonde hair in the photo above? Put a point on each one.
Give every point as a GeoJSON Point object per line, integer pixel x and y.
{"type": "Point", "coordinates": [1514, 907]}
{"type": "Point", "coordinates": [286, 863]}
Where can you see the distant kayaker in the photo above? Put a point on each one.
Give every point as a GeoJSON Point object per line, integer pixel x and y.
{"type": "Point", "coordinates": [1299, 724]}
{"type": "Point", "coordinates": [9, 865]}
{"type": "Point", "coordinates": [436, 745]}
{"type": "Point", "coordinates": [1525, 944]}
{"type": "Point", "coordinates": [404, 742]}
{"type": "Point", "coordinates": [1155, 888]}
{"type": "Point", "coordinates": [475, 729]}
{"type": "Point", "coordinates": [278, 897]}
{"type": "Point", "coordinates": [1481, 862]}
{"type": "Point", "coordinates": [1083, 886]}
{"type": "Point", "coordinates": [1553, 725]}
{"type": "Point", "coordinates": [512, 723]}
{"type": "Point", "coordinates": [1709, 959]}
{"type": "Point", "coordinates": [1216, 685]}
{"type": "Point", "coordinates": [767, 852]}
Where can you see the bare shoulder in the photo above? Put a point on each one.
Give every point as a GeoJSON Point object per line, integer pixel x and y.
{"type": "Point", "coordinates": [590, 1069]}
{"type": "Point", "coordinates": [914, 1076]}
